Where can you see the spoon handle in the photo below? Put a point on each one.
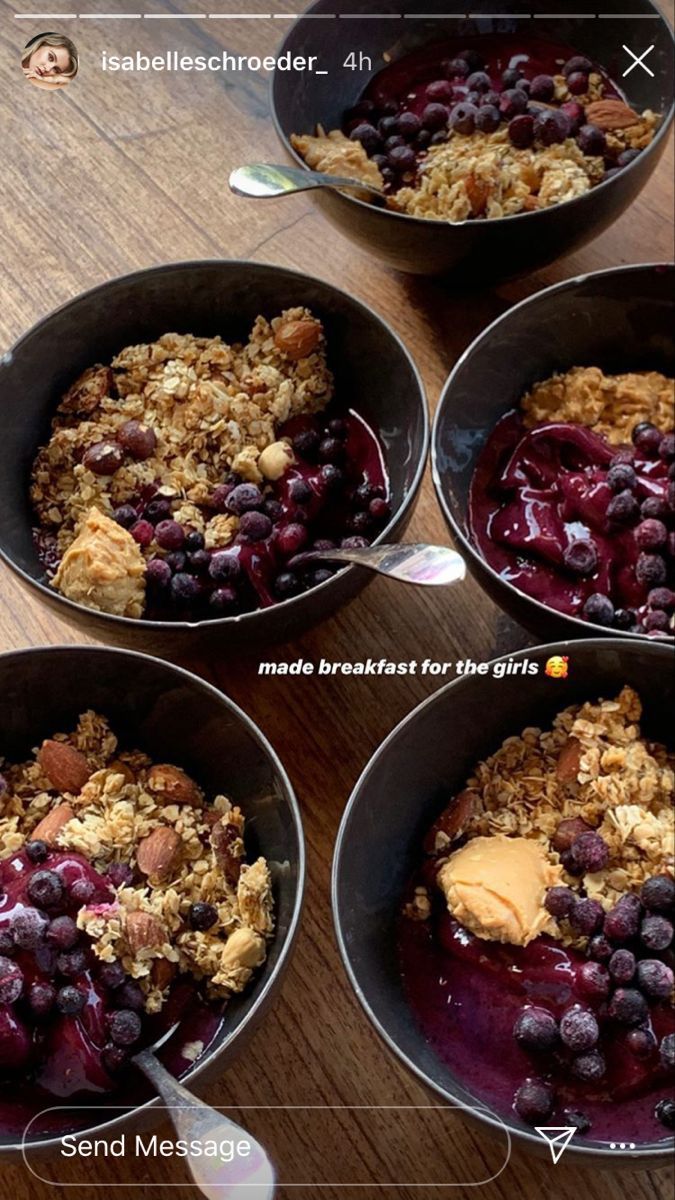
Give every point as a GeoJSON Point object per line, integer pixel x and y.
{"type": "Point", "coordinates": [264, 181]}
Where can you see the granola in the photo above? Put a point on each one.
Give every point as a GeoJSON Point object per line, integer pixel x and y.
{"type": "Point", "coordinates": [612, 404]}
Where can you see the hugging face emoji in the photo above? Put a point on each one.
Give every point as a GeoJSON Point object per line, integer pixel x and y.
{"type": "Point", "coordinates": [557, 666]}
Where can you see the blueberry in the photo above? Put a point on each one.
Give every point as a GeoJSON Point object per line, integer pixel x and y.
{"type": "Point", "coordinates": [473, 59]}
{"type": "Point", "coordinates": [287, 584]}
{"type": "Point", "coordinates": [11, 981]}
{"type": "Point", "coordinates": [664, 599]}
{"type": "Point", "coordinates": [577, 1119]}
{"type": "Point", "coordinates": [403, 160]}
{"type": "Point", "coordinates": [577, 63]}
{"type": "Point", "coordinates": [125, 515]}
{"type": "Point", "coordinates": [488, 118]}
{"type": "Point", "coordinates": [622, 921]}
{"type": "Point", "coordinates": [125, 1027]}
{"type": "Point", "coordinates": [157, 509]}
{"type": "Point", "coordinates": [112, 975]}
{"type": "Point", "coordinates": [72, 963]}
{"type": "Point", "coordinates": [479, 81]}
{"type": "Point", "coordinates": [245, 497]}
{"type": "Point", "coordinates": [577, 82]}
{"type": "Point", "coordinates": [440, 91]}
{"type": "Point", "coordinates": [274, 510]}
{"type": "Point", "coordinates": [41, 998]}
{"type": "Point", "coordinates": [665, 1113]}
{"type": "Point", "coordinates": [650, 570]}
{"type": "Point", "coordinates": [114, 1058]}
{"type": "Point", "coordinates": [435, 117]}
{"type": "Point", "coordinates": [626, 157]}
{"type": "Point", "coordinates": [628, 1006]}
{"type": "Point", "coordinates": [640, 1042]}
{"type": "Point", "coordinates": [623, 508]}
{"type": "Point", "coordinates": [184, 588]}
{"type": "Point", "coordinates": [624, 618]}
{"type": "Point", "coordinates": [463, 118]}
{"type": "Point", "coordinates": [202, 916]}
{"type": "Point", "coordinates": [360, 522]}
{"type": "Point", "coordinates": [600, 949]}
{"type": "Point", "coordinates": [130, 995]}
{"type": "Point", "coordinates": [176, 561]}
{"type": "Point", "coordinates": [650, 534]}
{"type": "Point", "coordinates": [306, 443]}
{"type": "Point", "coordinates": [599, 609]}
{"type": "Point", "coordinates": [321, 575]}
{"type": "Point", "coordinates": [158, 574]}
{"type": "Point", "coordinates": [579, 1029]}
{"type": "Point", "coordinates": [534, 1100]}
{"type": "Point", "coordinates": [581, 556]}
{"type": "Point", "coordinates": [536, 1029]}
{"type": "Point", "coordinates": [590, 851]}
{"type": "Point", "coordinates": [521, 131]}
{"type": "Point", "coordinates": [6, 943]}
{"type": "Point", "coordinates": [331, 450]}
{"type": "Point", "coordinates": [354, 543]}
{"type": "Point", "coordinates": [559, 901]}
{"type": "Point", "coordinates": [224, 566]}
{"type": "Point", "coordinates": [656, 620]}
{"type": "Point", "coordinates": [70, 1000]}
{"type": "Point", "coordinates": [379, 509]}
{"type": "Point", "coordinates": [219, 496]}
{"type": "Point", "coordinates": [409, 125]}
{"type": "Point", "coordinates": [586, 916]}
{"type": "Point", "coordinates": [621, 476]}
{"type": "Point", "coordinates": [667, 1051]}
{"type": "Point", "coordinates": [62, 933]}
{"type": "Point", "coordinates": [658, 892]}
{"type": "Point", "coordinates": [194, 540]}
{"type": "Point", "coordinates": [199, 561]}
{"type": "Point", "coordinates": [655, 978]}
{"type": "Point", "coordinates": [291, 539]}
{"type": "Point", "coordinates": [393, 143]}
{"type": "Point", "coordinates": [622, 966]}
{"type": "Point", "coordinates": [142, 532]}
{"type": "Point", "coordinates": [224, 601]}
{"type": "Point", "coordinates": [590, 1067]}
{"type": "Point", "coordinates": [37, 851]}
{"type": "Point", "coordinates": [647, 439]}
{"type": "Point", "coordinates": [667, 448]}
{"type": "Point", "coordinates": [593, 980]}
{"type": "Point", "coordinates": [511, 76]}
{"type": "Point", "coordinates": [368, 136]}
{"type": "Point", "coordinates": [551, 127]}
{"type": "Point", "coordinates": [255, 527]}
{"type": "Point", "coordinates": [119, 874]}
{"type": "Point", "coordinates": [656, 933]}
{"type": "Point", "coordinates": [542, 88]}
{"type": "Point", "coordinates": [299, 491]}
{"type": "Point", "coordinates": [456, 68]}
{"type": "Point", "coordinates": [45, 889]}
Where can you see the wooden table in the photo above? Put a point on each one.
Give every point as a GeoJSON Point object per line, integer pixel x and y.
{"type": "Point", "coordinates": [117, 173]}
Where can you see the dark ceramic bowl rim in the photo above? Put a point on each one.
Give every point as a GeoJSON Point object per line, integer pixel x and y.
{"type": "Point", "coordinates": [241, 619]}
{"type": "Point", "coordinates": [259, 737]}
{"type": "Point", "coordinates": [650, 1150]}
{"type": "Point", "coordinates": [575, 202]}
{"type": "Point", "coordinates": [544, 610]}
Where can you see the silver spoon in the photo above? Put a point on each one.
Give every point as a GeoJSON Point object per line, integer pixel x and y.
{"type": "Point", "coordinates": [412, 562]}
{"type": "Point", "coordinates": [264, 180]}
{"type": "Point", "coordinates": [249, 1176]}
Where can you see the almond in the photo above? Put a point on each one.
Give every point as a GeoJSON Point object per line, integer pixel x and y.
{"type": "Point", "coordinates": [158, 853]}
{"type": "Point", "coordinates": [298, 339]}
{"type": "Point", "coordinates": [610, 114]}
{"type": "Point", "coordinates": [228, 848]}
{"type": "Point", "coordinates": [122, 768]}
{"type": "Point", "coordinates": [478, 192]}
{"type": "Point", "coordinates": [162, 972]}
{"type": "Point", "coordinates": [66, 769]}
{"type": "Point", "coordinates": [567, 832]}
{"type": "Point", "coordinates": [173, 786]}
{"type": "Point", "coordinates": [144, 931]}
{"type": "Point", "coordinates": [451, 822]}
{"type": "Point", "coordinates": [569, 761]}
{"type": "Point", "coordinates": [51, 825]}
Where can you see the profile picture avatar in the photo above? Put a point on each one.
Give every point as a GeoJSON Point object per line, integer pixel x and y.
{"type": "Point", "coordinates": [49, 60]}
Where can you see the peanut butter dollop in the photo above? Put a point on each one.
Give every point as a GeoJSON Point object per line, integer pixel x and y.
{"type": "Point", "coordinates": [103, 568]}
{"type": "Point", "coordinates": [495, 886]}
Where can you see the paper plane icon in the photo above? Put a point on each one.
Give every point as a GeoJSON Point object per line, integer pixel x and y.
{"type": "Point", "coordinates": [558, 1138]}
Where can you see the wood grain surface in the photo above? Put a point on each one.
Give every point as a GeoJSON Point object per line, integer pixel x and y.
{"type": "Point", "coordinates": [120, 172]}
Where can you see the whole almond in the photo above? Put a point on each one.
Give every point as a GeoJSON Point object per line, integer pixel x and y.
{"type": "Point", "coordinates": [567, 832]}
{"type": "Point", "coordinates": [569, 761]}
{"type": "Point", "coordinates": [158, 854]}
{"type": "Point", "coordinates": [610, 114]}
{"type": "Point", "coordinates": [144, 930]}
{"type": "Point", "coordinates": [173, 786]}
{"type": "Point", "coordinates": [298, 339]}
{"type": "Point", "coordinates": [451, 822]}
{"type": "Point", "coordinates": [228, 848]}
{"type": "Point", "coordinates": [122, 768]}
{"type": "Point", "coordinates": [162, 972]}
{"type": "Point", "coordinates": [66, 769]}
{"type": "Point", "coordinates": [50, 826]}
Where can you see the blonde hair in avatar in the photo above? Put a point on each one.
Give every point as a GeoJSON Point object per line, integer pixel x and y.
{"type": "Point", "coordinates": [49, 77]}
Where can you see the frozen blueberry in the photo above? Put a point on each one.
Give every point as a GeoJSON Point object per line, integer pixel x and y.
{"type": "Point", "coordinates": [403, 160]}
{"type": "Point", "coordinates": [184, 588]}
{"type": "Point", "coordinates": [224, 600]}
{"type": "Point", "coordinates": [112, 975]}
{"type": "Point", "coordinates": [579, 1029]}
{"type": "Point", "coordinates": [463, 118]}
{"type": "Point", "coordinates": [218, 497]}
{"type": "Point", "coordinates": [37, 851]}
{"type": "Point", "coordinates": [656, 620]}
{"type": "Point", "coordinates": [590, 851]}
{"type": "Point", "coordinates": [662, 598]}
{"type": "Point", "coordinates": [600, 949]}
{"type": "Point", "coordinates": [142, 532]}
{"type": "Point", "coordinates": [131, 995]}
{"type": "Point", "coordinates": [622, 966]}
{"type": "Point", "coordinates": [640, 1042]}
{"type": "Point", "coordinates": [651, 534]}
{"type": "Point", "coordinates": [199, 561]}
{"type": "Point", "coordinates": [559, 901]}
{"type": "Point", "coordinates": [331, 450]}
{"type": "Point", "coordinates": [157, 509]}
{"type": "Point", "coordinates": [158, 574]}
{"type": "Point", "coordinates": [593, 980]}
{"type": "Point", "coordinates": [591, 140]}
{"type": "Point", "coordinates": [628, 1006]}
{"type": "Point", "coordinates": [440, 91]}
{"type": "Point", "coordinates": [667, 447]}
{"type": "Point", "coordinates": [72, 963]}
{"type": "Point", "coordinates": [176, 561]}
{"type": "Point", "coordinates": [534, 1100]}
{"type": "Point", "coordinates": [658, 892]}
{"type": "Point", "coordinates": [577, 1119]}
{"type": "Point", "coordinates": [577, 63]}
{"type": "Point", "coordinates": [656, 933]}
{"type": "Point", "coordinates": [291, 539]}
{"type": "Point", "coordinates": [409, 124]}
{"type": "Point", "coordinates": [368, 136]}
{"type": "Point", "coordinates": [551, 127]}
{"type": "Point", "coordinates": [647, 439]}
{"type": "Point", "coordinates": [125, 515]}
{"type": "Point", "coordinates": [169, 535]}
{"type": "Point", "coordinates": [41, 997]}
{"type": "Point", "coordinates": [521, 131]}
{"type": "Point", "coordinates": [590, 1067]}
{"type": "Point", "coordinates": [245, 497]}
{"type": "Point", "coordinates": [125, 1027]}
{"type": "Point", "coordinates": [114, 1058]}
{"type": "Point", "coordinates": [581, 556]}
{"type": "Point", "coordinates": [650, 570]}
{"type": "Point", "coordinates": [120, 874]}
{"type": "Point", "coordinates": [202, 916]}
{"type": "Point", "coordinates": [620, 476]}
{"type": "Point", "coordinates": [254, 527]}
{"type": "Point", "coordinates": [536, 1029]}
{"type": "Point", "coordinates": [665, 1113]}
{"type": "Point", "coordinates": [11, 980]}
{"type": "Point", "coordinates": [511, 77]}
{"type": "Point", "coordinates": [62, 933]}
{"type": "Point", "coordinates": [542, 88]}
{"type": "Point", "coordinates": [6, 943]}
{"type": "Point", "coordinates": [194, 540]}
{"type": "Point", "coordinates": [487, 118]}
{"type": "Point", "coordinates": [70, 1000]}
{"type": "Point", "coordinates": [435, 117]}
{"type": "Point", "coordinates": [577, 82]}
{"type": "Point", "coordinates": [623, 920]}
{"type": "Point", "coordinates": [393, 142]}
{"type": "Point", "coordinates": [45, 889]}
{"type": "Point", "coordinates": [655, 978]}
{"type": "Point", "coordinates": [575, 113]}
{"type": "Point", "coordinates": [667, 1051]}
{"type": "Point", "coordinates": [224, 566]}
{"type": "Point", "coordinates": [623, 508]}
{"type": "Point", "coordinates": [321, 575]}
{"type": "Point", "coordinates": [286, 585]}
{"type": "Point", "coordinates": [512, 103]}
{"type": "Point", "coordinates": [624, 618]}
{"type": "Point", "coordinates": [306, 443]}
{"type": "Point", "coordinates": [456, 68]}
{"type": "Point", "coordinates": [599, 609]}
{"type": "Point", "coordinates": [354, 543]}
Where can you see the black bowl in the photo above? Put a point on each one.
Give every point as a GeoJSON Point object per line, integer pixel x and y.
{"type": "Point", "coordinates": [620, 320]}
{"type": "Point", "coordinates": [495, 249]}
{"type": "Point", "coordinates": [401, 792]}
{"type": "Point", "coordinates": [374, 374]}
{"type": "Point", "coordinates": [175, 717]}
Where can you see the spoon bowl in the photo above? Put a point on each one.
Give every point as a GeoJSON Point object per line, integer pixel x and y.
{"type": "Point", "coordinates": [411, 562]}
